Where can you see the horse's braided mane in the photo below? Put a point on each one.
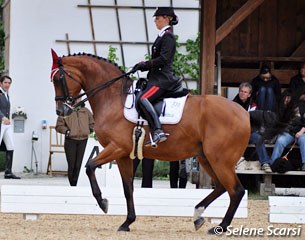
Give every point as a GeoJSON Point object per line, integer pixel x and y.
{"type": "Point", "coordinates": [97, 57]}
{"type": "Point", "coordinates": [124, 86]}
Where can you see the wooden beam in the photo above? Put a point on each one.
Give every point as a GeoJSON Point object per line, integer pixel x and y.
{"type": "Point", "coordinates": [300, 51]}
{"type": "Point", "coordinates": [261, 59]}
{"type": "Point", "coordinates": [234, 76]}
{"type": "Point", "coordinates": [236, 19]}
{"type": "Point", "coordinates": [207, 46]}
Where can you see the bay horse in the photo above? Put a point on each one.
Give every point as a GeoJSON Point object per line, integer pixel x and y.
{"type": "Point", "coordinates": [213, 128]}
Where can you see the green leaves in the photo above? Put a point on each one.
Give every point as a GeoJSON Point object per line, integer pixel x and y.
{"type": "Point", "coordinates": [112, 55]}
{"type": "Point", "coordinates": [187, 64]}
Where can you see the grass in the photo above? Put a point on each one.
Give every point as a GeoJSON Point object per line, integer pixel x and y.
{"type": "Point", "coordinates": [256, 196]}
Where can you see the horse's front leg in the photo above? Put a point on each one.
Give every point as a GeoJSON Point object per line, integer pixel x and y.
{"type": "Point", "coordinates": [102, 158]}
{"type": "Point", "coordinates": [126, 169]}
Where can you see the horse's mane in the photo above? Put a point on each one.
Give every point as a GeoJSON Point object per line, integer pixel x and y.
{"type": "Point", "coordinates": [97, 57]}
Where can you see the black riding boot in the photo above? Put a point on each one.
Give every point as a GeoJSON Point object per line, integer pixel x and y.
{"type": "Point", "coordinates": [8, 169]}
{"type": "Point", "coordinates": [153, 120]}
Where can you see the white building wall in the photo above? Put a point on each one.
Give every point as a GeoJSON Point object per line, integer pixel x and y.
{"type": "Point", "coordinates": [35, 25]}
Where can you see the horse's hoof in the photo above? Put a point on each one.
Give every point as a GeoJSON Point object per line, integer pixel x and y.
{"type": "Point", "coordinates": [123, 229]}
{"type": "Point", "coordinates": [218, 230]}
{"type": "Point", "coordinates": [104, 205]}
{"type": "Point", "coordinates": [198, 223]}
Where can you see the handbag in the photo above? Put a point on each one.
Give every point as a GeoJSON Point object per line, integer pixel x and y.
{"type": "Point", "coordinates": [282, 164]}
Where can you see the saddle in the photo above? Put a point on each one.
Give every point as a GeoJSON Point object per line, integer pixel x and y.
{"type": "Point", "coordinates": [139, 132]}
{"type": "Point", "coordinates": [178, 91]}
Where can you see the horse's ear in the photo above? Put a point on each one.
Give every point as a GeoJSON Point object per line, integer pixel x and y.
{"type": "Point", "coordinates": [55, 64]}
{"type": "Point", "coordinates": [55, 59]}
{"type": "Point", "coordinates": [54, 55]}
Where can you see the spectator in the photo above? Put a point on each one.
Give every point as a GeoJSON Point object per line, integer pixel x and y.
{"type": "Point", "coordinates": [297, 83]}
{"type": "Point", "coordinates": [266, 92]}
{"type": "Point", "coordinates": [76, 128]}
{"type": "Point", "coordinates": [243, 97]}
{"type": "Point", "coordinates": [178, 174]}
{"type": "Point", "coordinates": [261, 122]}
{"type": "Point", "coordinates": [6, 126]}
{"type": "Point", "coordinates": [256, 120]}
{"type": "Point", "coordinates": [294, 131]}
{"type": "Point", "coordinates": [147, 171]}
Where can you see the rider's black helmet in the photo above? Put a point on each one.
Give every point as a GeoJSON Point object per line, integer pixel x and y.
{"type": "Point", "coordinates": [167, 11]}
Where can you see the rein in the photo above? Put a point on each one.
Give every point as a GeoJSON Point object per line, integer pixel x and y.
{"type": "Point", "coordinates": [69, 100]}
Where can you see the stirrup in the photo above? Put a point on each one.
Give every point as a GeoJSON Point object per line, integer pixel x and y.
{"type": "Point", "coordinates": [154, 142]}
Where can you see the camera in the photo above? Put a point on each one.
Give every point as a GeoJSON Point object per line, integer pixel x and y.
{"type": "Point", "coordinates": [34, 137]}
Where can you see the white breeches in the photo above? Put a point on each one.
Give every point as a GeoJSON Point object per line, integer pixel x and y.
{"type": "Point", "coordinates": [7, 136]}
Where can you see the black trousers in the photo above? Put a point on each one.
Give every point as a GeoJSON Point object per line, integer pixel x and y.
{"type": "Point", "coordinates": [75, 150]}
{"type": "Point", "coordinates": [174, 176]}
{"type": "Point", "coordinates": [147, 171]}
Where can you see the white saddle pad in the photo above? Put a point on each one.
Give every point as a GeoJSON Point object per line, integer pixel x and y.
{"type": "Point", "coordinates": [171, 111]}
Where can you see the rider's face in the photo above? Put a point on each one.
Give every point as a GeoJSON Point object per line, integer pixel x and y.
{"type": "Point", "coordinates": [161, 21]}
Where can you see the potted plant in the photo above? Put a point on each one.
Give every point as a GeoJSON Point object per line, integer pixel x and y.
{"type": "Point", "coordinates": [19, 113]}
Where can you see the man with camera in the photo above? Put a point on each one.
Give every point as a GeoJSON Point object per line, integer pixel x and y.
{"type": "Point", "coordinates": [6, 126]}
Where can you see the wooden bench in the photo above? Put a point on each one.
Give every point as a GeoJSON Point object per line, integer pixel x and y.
{"type": "Point", "coordinates": [34, 200]}
{"type": "Point", "coordinates": [286, 209]}
{"type": "Point", "coordinates": [267, 188]}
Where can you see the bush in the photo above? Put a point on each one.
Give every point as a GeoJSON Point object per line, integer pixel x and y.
{"type": "Point", "coordinates": [161, 170]}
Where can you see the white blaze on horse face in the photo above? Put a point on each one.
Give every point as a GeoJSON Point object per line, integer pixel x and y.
{"type": "Point", "coordinates": [198, 212]}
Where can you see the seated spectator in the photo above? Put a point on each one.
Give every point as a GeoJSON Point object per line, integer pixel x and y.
{"type": "Point", "coordinates": [260, 121]}
{"type": "Point", "coordinates": [177, 174]}
{"type": "Point", "coordinates": [295, 129]}
{"type": "Point", "coordinates": [297, 82]}
{"type": "Point", "coordinates": [266, 90]}
{"type": "Point", "coordinates": [243, 97]}
{"type": "Point", "coordinates": [261, 124]}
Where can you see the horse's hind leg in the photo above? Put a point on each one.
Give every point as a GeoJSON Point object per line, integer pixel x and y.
{"type": "Point", "coordinates": [126, 169]}
{"type": "Point", "coordinates": [228, 179]}
{"type": "Point", "coordinates": [218, 190]}
{"type": "Point", "coordinates": [236, 192]}
{"type": "Point", "coordinates": [225, 179]}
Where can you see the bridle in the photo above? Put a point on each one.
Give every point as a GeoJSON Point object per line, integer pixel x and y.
{"type": "Point", "coordinates": [69, 101]}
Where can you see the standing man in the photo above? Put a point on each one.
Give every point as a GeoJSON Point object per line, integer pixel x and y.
{"type": "Point", "coordinates": [6, 126]}
{"type": "Point", "coordinates": [76, 128]}
{"type": "Point", "coordinates": [147, 171]}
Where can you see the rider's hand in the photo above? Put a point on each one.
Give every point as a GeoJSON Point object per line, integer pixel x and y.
{"type": "Point", "coordinates": [141, 66]}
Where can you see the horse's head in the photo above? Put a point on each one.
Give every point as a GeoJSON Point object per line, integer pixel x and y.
{"type": "Point", "coordinates": [67, 86]}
